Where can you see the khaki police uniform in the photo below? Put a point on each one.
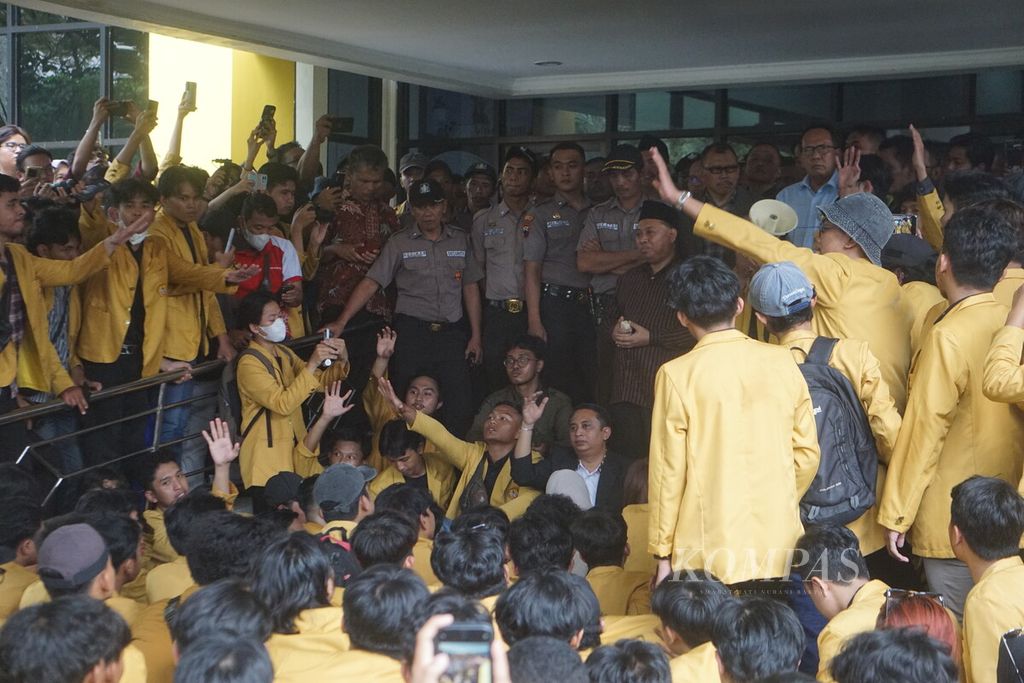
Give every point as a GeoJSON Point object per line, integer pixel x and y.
{"type": "Point", "coordinates": [432, 332]}
{"type": "Point", "coordinates": [552, 230]}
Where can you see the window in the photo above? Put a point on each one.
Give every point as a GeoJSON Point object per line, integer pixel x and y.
{"type": "Point", "coordinates": [358, 98]}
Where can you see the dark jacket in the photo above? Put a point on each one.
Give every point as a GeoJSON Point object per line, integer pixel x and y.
{"type": "Point", "coordinates": [609, 486]}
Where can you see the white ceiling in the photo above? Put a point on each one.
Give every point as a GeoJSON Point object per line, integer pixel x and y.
{"type": "Point", "coordinates": [489, 48]}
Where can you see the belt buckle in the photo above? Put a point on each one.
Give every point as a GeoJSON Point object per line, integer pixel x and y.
{"type": "Point", "coordinates": [125, 350]}
{"type": "Point", "coordinates": [435, 327]}
{"type": "Point", "coordinates": [514, 306]}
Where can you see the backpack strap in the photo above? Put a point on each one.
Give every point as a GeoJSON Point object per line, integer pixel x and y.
{"type": "Point", "coordinates": [821, 350]}
{"type": "Point", "coordinates": [262, 411]}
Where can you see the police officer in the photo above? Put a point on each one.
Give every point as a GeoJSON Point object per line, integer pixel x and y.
{"type": "Point", "coordinates": [434, 271]}
{"type": "Point", "coordinates": [607, 248]}
{"type": "Point", "coordinates": [557, 293]}
{"type": "Point", "coordinates": [498, 246]}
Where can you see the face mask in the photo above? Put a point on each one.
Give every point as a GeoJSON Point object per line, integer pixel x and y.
{"type": "Point", "coordinates": [276, 331]}
{"type": "Point", "coordinates": [257, 241]}
{"type": "Point", "coordinates": [138, 238]}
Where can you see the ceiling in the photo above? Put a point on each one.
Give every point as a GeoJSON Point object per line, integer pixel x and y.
{"type": "Point", "coordinates": [490, 48]}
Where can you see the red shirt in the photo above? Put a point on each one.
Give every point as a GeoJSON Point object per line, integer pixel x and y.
{"type": "Point", "coordinates": [279, 264]}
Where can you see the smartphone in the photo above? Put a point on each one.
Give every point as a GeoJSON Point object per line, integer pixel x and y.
{"type": "Point", "coordinates": [342, 124]}
{"type": "Point", "coordinates": [327, 335]}
{"type": "Point", "coordinates": [33, 172]}
{"type": "Point", "coordinates": [190, 94]}
{"type": "Point", "coordinates": [118, 107]}
{"type": "Point", "coordinates": [468, 647]}
{"type": "Point", "coordinates": [152, 106]}
{"type": "Point", "coordinates": [261, 182]}
{"type": "Point", "coordinates": [231, 240]}
{"type": "Point", "coordinates": [268, 113]}
{"type": "Point", "coordinates": [904, 223]}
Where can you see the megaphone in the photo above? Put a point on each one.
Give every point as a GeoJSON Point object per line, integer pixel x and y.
{"type": "Point", "coordinates": [774, 217]}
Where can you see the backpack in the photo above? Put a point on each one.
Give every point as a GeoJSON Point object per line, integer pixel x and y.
{"type": "Point", "coordinates": [844, 487]}
{"type": "Point", "coordinates": [229, 403]}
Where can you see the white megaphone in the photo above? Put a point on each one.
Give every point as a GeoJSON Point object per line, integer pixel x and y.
{"type": "Point", "coordinates": [774, 217]}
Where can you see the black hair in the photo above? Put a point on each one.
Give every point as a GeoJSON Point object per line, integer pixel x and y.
{"type": "Point", "coordinates": [291, 576]}
{"type": "Point", "coordinates": [93, 479]}
{"type": "Point", "coordinates": [257, 202]}
{"type": "Point", "coordinates": [30, 151]}
{"type": "Point", "coordinates": [528, 342]}
{"type": "Point", "coordinates": [9, 130]}
{"type": "Point", "coordinates": [107, 500]}
{"type": "Point", "coordinates": [225, 545]}
{"type": "Point", "coordinates": [223, 659]}
{"type": "Point", "coordinates": [902, 147]}
{"type": "Point", "coordinates": [181, 518]}
{"type": "Point", "coordinates": [688, 606]}
{"type": "Point", "coordinates": [863, 129]}
{"type": "Point", "coordinates": [367, 156]}
{"type": "Point", "coordinates": [979, 149]}
{"type": "Point", "coordinates": [174, 177]}
{"type": "Point", "coordinates": [385, 537]}
{"type": "Point", "coordinates": [1013, 211]}
{"type": "Point", "coordinates": [411, 501]}
{"type": "Point", "coordinates": [831, 553]}
{"type": "Point", "coordinates": [567, 146]}
{"type": "Point", "coordinates": [557, 507]}
{"type": "Point", "coordinates": [278, 174]}
{"type": "Point", "coordinates": [874, 170]}
{"type": "Point", "coordinates": [470, 560]}
{"type": "Point", "coordinates": [541, 659]}
{"type": "Point", "coordinates": [990, 514]}
{"type": "Point", "coordinates": [17, 481]}
{"type": "Point", "coordinates": [438, 165]}
{"type": "Point", "coordinates": [61, 641]}
{"type": "Point", "coordinates": [54, 225]}
{"type": "Point", "coordinates": [782, 323]}
{"type": "Point", "coordinates": [120, 532]}
{"type": "Point", "coordinates": [705, 290]}
{"type": "Point", "coordinates": [9, 184]}
{"type": "Point", "coordinates": [788, 677]}
{"type": "Point", "coordinates": [600, 538]}
{"type": "Point", "coordinates": [149, 464]}
{"type": "Point", "coordinates": [979, 243]}
{"type": "Point", "coordinates": [224, 607]}
{"type": "Point", "coordinates": [600, 411]}
{"type": "Point", "coordinates": [590, 606]}
{"type": "Point", "coordinates": [967, 188]}
{"type": "Point", "coordinates": [124, 191]}
{"type": "Point", "coordinates": [250, 309]}
{"type": "Point", "coordinates": [907, 655]}
{"type": "Point", "coordinates": [629, 661]}
{"type": "Point", "coordinates": [717, 148]}
{"type": "Point", "coordinates": [541, 603]}
{"type": "Point", "coordinates": [756, 637]}
{"type": "Point", "coordinates": [464, 609]}
{"type": "Point", "coordinates": [305, 494]}
{"type": "Point", "coordinates": [483, 517]}
{"type": "Point", "coordinates": [422, 372]}
{"type": "Point", "coordinates": [378, 607]}
{"type": "Point", "coordinates": [509, 404]}
{"type": "Point", "coordinates": [396, 438]}
{"type": "Point", "coordinates": [20, 519]}
{"type": "Point", "coordinates": [821, 125]}
{"type": "Point", "coordinates": [536, 542]}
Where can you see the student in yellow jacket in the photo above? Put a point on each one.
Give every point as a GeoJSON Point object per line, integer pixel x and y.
{"type": "Point", "coordinates": [734, 445]}
{"type": "Point", "coordinates": [273, 383]}
{"type": "Point", "coordinates": [951, 431]}
{"type": "Point", "coordinates": [600, 538]}
{"type": "Point", "coordinates": [986, 524]}
{"type": "Point", "coordinates": [403, 451]}
{"type": "Point", "coordinates": [687, 608]}
{"type": "Point", "coordinates": [784, 301]}
{"type": "Point", "coordinates": [1004, 373]}
{"type": "Point", "coordinates": [857, 298]}
{"type": "Point", "coordinates": [486, 474]}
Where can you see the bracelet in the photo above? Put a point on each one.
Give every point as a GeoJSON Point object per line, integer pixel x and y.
{"type": "Point", "coordinates": [526, 429]}
{"type": "Point", "coordinates": [683, 196]}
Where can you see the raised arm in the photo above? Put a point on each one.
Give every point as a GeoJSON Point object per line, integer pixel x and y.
{"type": "Point", "coordinates": [88, 142]}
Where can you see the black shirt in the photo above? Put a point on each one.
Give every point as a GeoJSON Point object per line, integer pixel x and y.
{"type": "Point", "coordinates": [419, 482]}
{"type": "Point", "coordinates": [493, 470]}
{"type": "Point", "coordinates": [137, 326]}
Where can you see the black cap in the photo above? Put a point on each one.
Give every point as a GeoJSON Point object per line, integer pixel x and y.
{"type": "Point", "coordinates": [281, 488]}
{"type": "Point", "coordinates": [520, 152]}
{"type": "Point", "coordinates": [661, 212]}
{"type": "Point", "coordinates": [482, 168]}
{"type": "Point", "coordinates": [623, 158]}
{"type": "Point", "coordinates": [426, 191]}
{"type": "Point", "coordinates": [907, 251]}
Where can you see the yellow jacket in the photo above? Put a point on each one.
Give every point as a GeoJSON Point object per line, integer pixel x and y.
{"type": "Point", "coordinates": [44, 369]}
{"type": "Point", "coordinates": [856, 298]}
{"type": "Point", "coordinates": [282, 394]}
{"type": "Point", "coordinates": [192, 316]}
{"type": "Point", "coordinates": [931, 211]}
{"type": "Point", "coordinates": [637, 518]}
{"type": "Point", "coordinates": [994, 606]}
{"type": "Point", "coordinates": [466, 456]}
{"type": "Point", "coordinates": [1012, 280]}
{"type": "Point", "coordinates": [699, 665]}
{"type": "Point", "coordinates": [158, 549]}
{"type": "Point", "coordinates": [421, 560]}
{"type": "Point", "coordinates": [13, 582]}
{"type": "Point", "coordinates": [168, 580]}
{"type": "Point", "coordinates": [313, 650]}
{"type": "Point", "coordinates": [108, 296]}
{"type": "Point", "coordinates": [1004, 374]}
{"type": "Point", "coordinates": [918, 299]}
{"type": "Point", "coordinates": [855, 361]}
{"type": "Point", "coordinates": [950, 430]}
{"type": "Point", "coordinates": [858, 618]}
{"type": "Point", "coordinates": [379, 412]}
{"type": "Point", "coordinates": [733, 450]}
{"type": "Point", "coordinates": [620, 592]}
{"type": "Point", "coordinates": [440, 478]}
{"type": "Point", "coordinates": [30, 367]}
{"type": "Point", "coordinates": [93, 224]}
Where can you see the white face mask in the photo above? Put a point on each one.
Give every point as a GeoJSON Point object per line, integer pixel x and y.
{"type": "Point", "coordinates": [138, 238]}
{"type": "Point", "coordinates": [276, 331]}
{"type": "Point", "coordinates": [257, 241]}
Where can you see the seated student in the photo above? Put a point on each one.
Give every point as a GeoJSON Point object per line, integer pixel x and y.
{"type": "Point", "coordinates": [223, 608]}
{"type": "Point", "coordinates": [417, 504]}
{"type": "Point", "coordinates": [755, 638]}
{"type": "Point", "coordinates": [294, 580]}
{"type": "Point", "coordinates": [341, 494]}
{"type": "Point", "coordinates": [834, 572]}
{"type": "Point", "coordinates": [225, 660]}
{"type": "Point", "coordinates": [117, 501]}
{"type": "Point", "coordinates": [687, 609]}
{"type": "Point", "coordinates": [486, 475]}
{"type": "Point", "coordinates": [281, 496]}
{"type": "Point", "coordinates": [524, 364]}
{"type": "Point", "coordinates": [784, 301]}
{"type": "Point", "coordinates": [600, 538]}
{"type": "Point", "coordinates": [636, 512]}
{"type": "Point", "coordinates": [538, 542]}
{"type": "Point", "coordinates": [173, 578]}
{"type": "Point", "coordinates": [20, 519]}
{"type": "Point", "coordinates": [590, 428]}
{"type": "Point", "coordinates": [542, 603]}
{"type": "Point", "coordinates": [123, 536]}
{"type": "Point", "coordinates": [987, 521]}
{"type": "Point", "coordinates": [459, 607]}
{"type": "Point", "coordinates": [628, 660]}
{"type": "Point", "coordinates": [74, 639]}
{"type": "Point", "coordinates": [904, 655]}
{"type": "Point", "coordinates": [540, 659]}
{"type": "Point", "coordinates": [402, 450]}
{"type": "Point", "coordinates": [385, 537]}
{"type": "Point", "coordinates": [924, 612]}
{"type": "Point", "coordinates": [471, 561]}
{"type": "Point", "coordinates": [346, 445]}
{"type": "Point", "coordinates": [379, 606]}
{"type": "Point", "coordinates": [310, 510]}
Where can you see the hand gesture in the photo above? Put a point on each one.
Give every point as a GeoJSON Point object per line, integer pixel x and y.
{"type": "Point", "coordinates": [532, 410]}
{"type": "Point", "coordinates": [322, 129]}
{"type": "Point", "coordinates": [354, 253]}
{"type": "Point", "coordinates": [388, 392]}
{"type": "Point", "coordinates": [269, 133]}
{"type": "Point", "coordinates": [918, 158]}
{"type": "Point", "coordinates": [254, 141]}
{"type": "Point", "coordinates": [386, 339]}
{"type": "Point", "coordinates": [663, 182]}
{"type": "Point", "coordinates": [140, 225]}
{"type": "Point", "coordinates": [74, 396]}
{"type": "Point", "coordinates": [849, 171]}
{"type": "Point", "coordinates": [304, 217]}
{"type": "Point", "coordinates": [186, 106]}
{"type": "Point", "coordinates": [99, 111]}
{"type": "Point", "coordinates": [329, 198]}
{"type": "Point", "coordinates": [218, 440]}
{"type": "Point", "coordinates": [336, 404]}
{"type": "Point", "coordinates": [235, 276]}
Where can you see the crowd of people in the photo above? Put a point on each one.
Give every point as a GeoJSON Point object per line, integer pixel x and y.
{"type": "Point", "coordinates": [606, 419]}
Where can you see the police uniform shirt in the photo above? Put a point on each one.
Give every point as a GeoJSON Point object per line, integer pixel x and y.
{"type": "Point", "coordinates": [552, 231]}
{"type": "Point", "coordinates": [614, 227]}
{"type": "Point", "coordinates": [498, 247]}
{"type": "Point", "coordinates": [429, 274]}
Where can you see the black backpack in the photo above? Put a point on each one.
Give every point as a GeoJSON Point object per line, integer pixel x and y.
{"type": "Point", "coordinates": [844, 487]}
{"type": "Point", "coordinates": [229, 403]}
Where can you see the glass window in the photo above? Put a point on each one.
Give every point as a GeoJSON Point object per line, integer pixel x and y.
{"type": "Point", "coordinates": [556, 116]}
{"type": "Point", "coordinates": [129, 73]}
{"type": "Point", "coordinates": [666, 111]}
{"type": "Point", "coordinates": [779, 106]}
{"type": "Point", "coordinates": [435, 113]}
{"type": "Point", "coordinates": [5, 78]}
{"type": "Point", "coordinates": [31, 17]}
{"type": "Point", "coordinates": [58, 81]}
{"type": "Point", "coordinates": [349, 95]}
{"type": "Point", "coordinates": [910, 100]}
{"type": "Point", "coordinates": [999, 92]}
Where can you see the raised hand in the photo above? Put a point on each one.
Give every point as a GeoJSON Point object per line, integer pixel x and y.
{"type": "Point", "coordinates": [918, 158]}
{"type": "Point", "coordinates": [336, 404]}
{"type": "Point", "coordinates": [532, 411]}
{"type": "Point", "coordinates": [218, 440]}
{"type": "Point", "coordinates": [386, 339]}
{"type": "Point", "coordinates": [663, 182]}
{"type": "Point", "coordinates": [849, 171]}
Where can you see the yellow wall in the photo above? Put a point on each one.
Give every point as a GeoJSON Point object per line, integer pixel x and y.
{"type": "Point", "coordinates": [231, 89]}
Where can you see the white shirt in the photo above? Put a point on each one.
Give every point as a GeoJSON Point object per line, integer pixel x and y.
{"type": "Point", "coordinates": [591, 479]}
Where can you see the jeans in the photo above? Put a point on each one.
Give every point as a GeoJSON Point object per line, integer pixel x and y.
{"type": "Point", "coordinates": [65, 455]}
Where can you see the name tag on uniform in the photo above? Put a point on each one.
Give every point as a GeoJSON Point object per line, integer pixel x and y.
{"type": "Point", "coordinates": [608, 226]}
{"type": "Point", "coordinates": [456, 254]}
{"type": "Point", "coordinates": [491, 232]}
{"type": "Point", "coordinates": [554, 225]}
{"type": "Point", "coordinates": [414, 254]}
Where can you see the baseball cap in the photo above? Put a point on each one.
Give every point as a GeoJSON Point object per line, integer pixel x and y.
{"type": "Point", "coordinates": [426, 191]}
{"type": "Point", "coordinates": [907, 251]}
{"type": "Point", "coordinates": [661, 212]}
{"type": "Point", "coordinates": [521, 152]}
{"type": "Point", "coordinates": [866, 219]}
{"type": "Point", "coordinates": [412, 160]}
{"type": "Point", "coordinates": [282, 488]}
{"type": "Point", "coordinates": [623, 158]}
{"type": "Point", "coordinates": [482, 168]}
{"type": "Point", "coordinates": [780, 289]}
{"type": "Point", "coordinates": [340, 485]}
{"type": "Point", "coordinates": [72, 556]}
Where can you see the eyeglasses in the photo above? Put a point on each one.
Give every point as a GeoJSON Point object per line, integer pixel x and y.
{"type": "Point", "coordinates": [14, 146]}
{"type": "Point", "coordinates": [817, 149]}
{"type": "Point", "coordinates": [896, 596]}
{"type": "Point", "coordinates": [722, 170]}
{"type": "Point", "coordinates": [518, 361]}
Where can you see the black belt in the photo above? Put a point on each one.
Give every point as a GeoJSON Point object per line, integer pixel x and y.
{"type": "Point", "coordinates": [508, 305]}
{"type": "Point", "coordinates": [567, 293]}
{"type": "Point", "coordinates": [603, 299]}
{"type": "Point", "coordinates": [129, 349]}
{"type": "Point", "coordinates": [442, 326]}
